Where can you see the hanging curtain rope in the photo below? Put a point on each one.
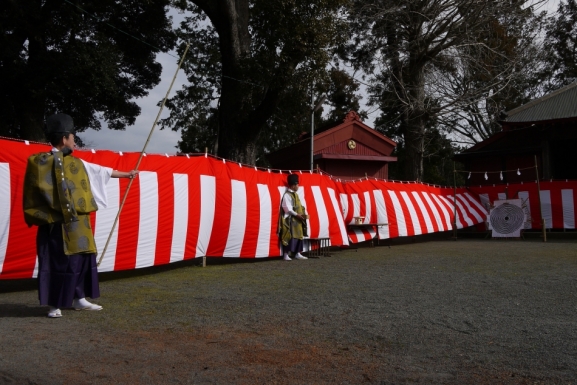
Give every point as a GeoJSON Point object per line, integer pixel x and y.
{"type": "Point", "coordinates": [495, 172]}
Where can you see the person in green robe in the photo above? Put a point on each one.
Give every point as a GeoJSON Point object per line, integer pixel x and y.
{"type": "Point", "coordinates": [60, 192]}
{"type": "Point", "coordinates": [292, 221]}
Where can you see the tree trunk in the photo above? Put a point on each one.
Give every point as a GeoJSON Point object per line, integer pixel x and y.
{"type": "Point", "coordinates": [32, 104]}
{"type": "Point", "coordinates": [242, 119]}
{"type": "Point", "coordinates": [416, 119]}
{"type": "Point", "coordinates": [31, 115]}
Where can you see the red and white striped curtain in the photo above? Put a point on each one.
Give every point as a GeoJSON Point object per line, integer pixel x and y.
{"type": "Point", "coordinates": [558, 201]}
{"type": "Point", "coordinates": [184, 207]}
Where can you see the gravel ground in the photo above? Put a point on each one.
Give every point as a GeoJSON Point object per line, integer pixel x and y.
{"type": "Point", "coordinates": [441, 312]}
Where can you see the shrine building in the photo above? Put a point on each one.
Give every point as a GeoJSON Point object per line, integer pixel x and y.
{"type": "Point", "coordinates": [351, 150]}
{"type": "Point", "coordinates": [544, 130]}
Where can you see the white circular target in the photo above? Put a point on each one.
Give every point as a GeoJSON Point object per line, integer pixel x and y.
{"type": "Point", "coordinates": [507, 218]}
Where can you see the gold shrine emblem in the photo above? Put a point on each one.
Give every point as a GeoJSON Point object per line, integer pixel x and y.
{"type": "Point", "coordinates": [352, 144]}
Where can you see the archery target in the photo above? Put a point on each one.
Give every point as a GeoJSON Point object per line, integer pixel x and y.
{"type": "Point", "coordinates": [507, 218]}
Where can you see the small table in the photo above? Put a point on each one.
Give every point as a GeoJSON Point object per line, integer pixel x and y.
{"type": "Point", "coordinates": [375, 226]}
{"type": "Point", "coordinates": [322, 248]}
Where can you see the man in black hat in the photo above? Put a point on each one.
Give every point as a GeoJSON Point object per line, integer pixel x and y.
{"type": "Point", "coordinates": [60, 192]}
{"type": "Point", "coordinates": [292, 221]}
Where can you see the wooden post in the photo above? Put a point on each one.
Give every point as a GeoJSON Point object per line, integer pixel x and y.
{"type": "Point", "coordinates": [454, 202]}
{"type": "Point", "coordinates": [540, 208]}
{"type": "Point", "coordinates": [203, 261]}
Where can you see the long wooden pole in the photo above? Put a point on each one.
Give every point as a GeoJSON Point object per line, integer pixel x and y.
{"type": "Point", "coordinates": [454, 202]}
{"type": "Point", "coordinates": [142, 154]}
{"type": "Point", "coordinates": [540, 208]}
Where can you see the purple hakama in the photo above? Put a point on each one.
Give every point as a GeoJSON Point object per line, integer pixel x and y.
{"type": "Point", "coordinates": [294, 246]}
{"type": "Point", "coordinates": [61, 277]}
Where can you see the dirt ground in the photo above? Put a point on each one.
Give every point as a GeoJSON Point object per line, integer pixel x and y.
{"type": "Point", "coordinates": [436, 312]}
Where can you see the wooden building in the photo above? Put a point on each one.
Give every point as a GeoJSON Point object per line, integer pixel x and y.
{"type": "Point", "coordinates": [351, 150]}
{"type": "Point", "coordinates": [545, 129]}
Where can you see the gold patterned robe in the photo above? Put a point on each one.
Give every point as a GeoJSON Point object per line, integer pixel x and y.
{"type": "Point", "coordinates": [57, 191]}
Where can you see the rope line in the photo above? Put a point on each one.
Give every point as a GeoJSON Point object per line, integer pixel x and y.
{"type": "Point", "coordinates": [495, 172]}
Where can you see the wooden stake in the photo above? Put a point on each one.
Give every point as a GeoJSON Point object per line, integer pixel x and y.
{"type": "Point", "coordinates": [454, 202]}
{"type": "Point", "coordinates": [141, 155]}
{"type": "Point", "coordinates": [540, 208]}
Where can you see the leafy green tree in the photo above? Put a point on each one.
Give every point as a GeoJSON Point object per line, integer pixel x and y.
{"type": "Point", "coordinates": [250, 72]}
{"type": "Point", "coordinates": [504, 77]}
{"type": "Point", "coordinates": [561, 41]}
{"type": "Point", "coordinates": [64, 56]}
{"type": "Point", "coordinates": [342, 92]}
{"type": "Point", "coordinates": [414, 49]}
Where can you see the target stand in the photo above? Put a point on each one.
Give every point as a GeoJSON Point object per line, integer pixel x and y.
{"type": "Point", "coordinates": [507, 219]}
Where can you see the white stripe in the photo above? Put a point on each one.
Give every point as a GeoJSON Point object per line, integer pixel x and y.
{"type": "Point", "coordinates": [340, 219]}
{"type": "Point", "coordinates": [148, 223]}
{"type": "Point", "coordinates": [281, 190]}
{"type": "Point", "coordinates": [264, 229]}
{"type": "Point", "coordinates": [344, 204]}
{"type": "Point", "coordinates": [237, 220]}
{"type": "Point", "coordinates": [524, 196]}
{"type": "Point", "coordinates": [357, 213]}
{"type": "Point", "coordinates": [382, 216]}
{"type": "Point", "coordinates": [430, 228]}
{"type": "Point", "coordinates": [180, 224]}
{"type": "Point", "coordinates": [5, 199]}
{"type": "Point", "coordinates": [412, 213]}
{"type": "Point", "coordinates": [479, 207]}
{"type": "Point", "coordinates": [568, 209]}
{"type": "Point", "coordinates": [460, 214]}
{"type": "Point", "coordinates": [35, 272]}
{"type": "Point", "coordinates": [369, 214]}
{"type": "Point", "coordinates": [435, 210]}
{"type": "Point", "coordinates": [546, 208]}
{"type": "Point", "coordinates": [467, 204]}
{"type": "Point", "coordinates": [301, 194]}
{"type": "Point", "coordinates": [448, 223]}
{"type": "Point", "coordinates": [368, 208]}
{"type": "Point", "coordinates": [485, 201]}
{"type": "Point", "coordinates": [207, 208]}
{"type": "Point", "coordinates": [401, 223]}
{"type": "Point", "coordinates": [103, 224]}
{"type": "Point", "coordinates": [321, 211]}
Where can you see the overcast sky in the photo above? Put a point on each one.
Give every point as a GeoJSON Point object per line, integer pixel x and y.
{"type": "Point", "coordinates": [164, 141]}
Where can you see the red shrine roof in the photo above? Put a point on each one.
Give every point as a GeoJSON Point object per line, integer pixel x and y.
{"type": "Point", "coordinates": [350, 140]}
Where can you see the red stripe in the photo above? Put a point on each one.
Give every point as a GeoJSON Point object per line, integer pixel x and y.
{"type": "Point", "coordinates": [128, 226]}
{"type": "Point", "coordinates": [193, 225]}
{"type": "Point", "coordinates": [430, 211]}
{"type": "Point", "coordinates": [332, 212]}
{"type": "Point", "coordinates": [465, 211]}
{"type": "Point", "coordinates": [448, 209]}
{"type": "Point", "coordinates": [314, 223]}
{"type": "Point", "coordinates": [406, 213]}
{"type": "Point", "coordinates": [274, 245]}
{"type": "Point", "coordinates": [420, 215]}
{"type": "Point", "coordinates": [439, 210]}
{"type": "Point", "coordinates": [165, 217]}
{"type": "Point", "coordinates": [252, 228]}
{"type": "Point", "coordinates": [391, 213]}
{"type": "Point", "coordinates": [221, 224]}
